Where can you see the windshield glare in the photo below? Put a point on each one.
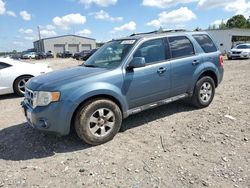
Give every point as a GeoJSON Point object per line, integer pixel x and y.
{"type": "Point", "coordinates": [111, 54]}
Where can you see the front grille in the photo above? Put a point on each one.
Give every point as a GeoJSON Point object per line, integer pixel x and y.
{"type": "Point", "coordinates": [29, 95]}
{"type": "Point", "coordinates": [236, 52]}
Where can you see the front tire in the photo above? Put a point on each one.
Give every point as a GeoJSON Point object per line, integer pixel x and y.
{"type": "Point", "coordinates": [98, 121]}
{"type": "Point", "coordinates": [19, 85]}
{"type": "Point", "coordinates": [204, 92]}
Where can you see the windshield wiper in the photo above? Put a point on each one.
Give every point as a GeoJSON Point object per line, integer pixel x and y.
{"type": "Point", "coordinates": [90, 65]}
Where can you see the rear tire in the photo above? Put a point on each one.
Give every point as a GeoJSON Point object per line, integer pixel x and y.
{"type": "Point", "coordinates": [98, 121]}
{"type": "Point", "coordinates": [203, 92]}
{"type": "Point", "coordinates": [19, 85]}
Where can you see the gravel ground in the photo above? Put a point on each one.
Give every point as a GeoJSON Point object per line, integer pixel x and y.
{"type": "Point", "coordinates": [170, 146]}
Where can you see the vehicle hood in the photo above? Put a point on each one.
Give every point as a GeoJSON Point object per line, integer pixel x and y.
{"type": "Point", "coordinates": [240, 50]}
{"type": "Point", "coordinates": [53, 80]}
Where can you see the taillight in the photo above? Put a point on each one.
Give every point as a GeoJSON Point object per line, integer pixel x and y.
{"type": "Point", "coordinates": [221, 60]}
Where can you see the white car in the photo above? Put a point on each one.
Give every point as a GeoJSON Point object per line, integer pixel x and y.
{"type": "Point", "coordinates": [30, 55]}
{"type": "Point", "coordinates": [14, 75]}
{"type": "Point", "coordinates": [241, 51]}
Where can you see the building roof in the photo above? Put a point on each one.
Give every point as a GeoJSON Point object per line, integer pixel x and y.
{"type": "Point", "coordinates": [70, 35]}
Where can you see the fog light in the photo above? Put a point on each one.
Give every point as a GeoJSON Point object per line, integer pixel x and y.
{"type": "Point", "coordinates": [43, 124]}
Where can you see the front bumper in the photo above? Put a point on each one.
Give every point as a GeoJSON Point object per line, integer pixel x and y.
{"type": "Point", "coordinates": [238, 56]}
{"type": "Point", "coordinates": [51, 118]}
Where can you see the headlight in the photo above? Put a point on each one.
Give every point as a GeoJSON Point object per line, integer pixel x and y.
{"type": "Point", "coordinates": [44, 98]}
{"type": "Point", "coordinates": [245, 53]}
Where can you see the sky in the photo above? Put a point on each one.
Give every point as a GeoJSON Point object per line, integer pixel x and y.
{"type": "Point", "coordinates": [104, 20]}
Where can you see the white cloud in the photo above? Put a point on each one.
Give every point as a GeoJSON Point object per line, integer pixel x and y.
{"type": "Point", "coordinates": [178, 16]}
{"type": "Point", "coordinates": [18, 44]}
{"type": "Point", "coordinates": [48, 27]}
{"type": "Point", "coordinates": [25, 31]}
{"type": "Point", "coordinates": [103, 3]}
{"type": "Point", "coordinates": [180, 26]}
{"type": "Point", "coordinates": [2, 7]}
{"type": "Point", "coordinates": [218, 22]}
{"type": "Point", "coordinates": [236, 6]}
{"type": "Point", "coordinates": [84, 32]}
{"type": "Point", "coordinates": [131, 26]}
{"type": "Point", "coordinates": [213, 3]}
{"type": "Point", "coordinates": [29, 38]}
{"type": "Point", "coordinates": [165, 3]}
{"type": "Point", "coordinates": [4, 11]}
{"type": "Point", "coordinates": [102, 15]}
{"type": "Point", "coordinates": [11, 13]}
{"type": "Point", "coordinates": [66, 21]}
{"type": "Point", "coordinates": [47, 33]}
{"type": "Point", "coordinates": [25, 15]}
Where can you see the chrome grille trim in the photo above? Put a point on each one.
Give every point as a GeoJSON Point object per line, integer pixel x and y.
{"type": "Point", "coordinates": [29, 95]}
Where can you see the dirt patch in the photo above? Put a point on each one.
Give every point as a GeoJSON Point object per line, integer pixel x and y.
{"type": "Point", "coordinates": [170, 146]}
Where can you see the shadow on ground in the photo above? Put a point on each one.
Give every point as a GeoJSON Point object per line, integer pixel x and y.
{"type": "Point", "coordinates": [8, 96]}
{"type": "Point", "coordinates": [21, 142]}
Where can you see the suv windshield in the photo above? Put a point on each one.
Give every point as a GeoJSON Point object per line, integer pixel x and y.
{"type": "Point", "coordinates": [111, 54]}
{"type": "Point", "coordinates": [243, 46]}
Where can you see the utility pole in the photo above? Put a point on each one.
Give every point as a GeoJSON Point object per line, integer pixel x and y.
{"type": "Point", "coordinates": [39, 37]}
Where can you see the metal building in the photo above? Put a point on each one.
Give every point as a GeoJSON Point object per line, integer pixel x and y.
{"type": "Point", "coordinates": [59, 44]}
{"type": "Point", "coordinates": [226, 39]}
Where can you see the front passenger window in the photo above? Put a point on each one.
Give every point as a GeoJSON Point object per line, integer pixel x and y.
{"type": "Point", "coordinates": [153, 51]}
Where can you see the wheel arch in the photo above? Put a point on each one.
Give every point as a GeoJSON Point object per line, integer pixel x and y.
{"type": "Point", "coordinates": [100, 96]}
{"type": "Point", "coordinates": [20, 77]}
{"type": "Point", "coordinates": [211, 74]}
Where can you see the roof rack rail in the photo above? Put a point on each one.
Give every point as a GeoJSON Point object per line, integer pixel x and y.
{"type": "Point", "coordinates": [159, 32]}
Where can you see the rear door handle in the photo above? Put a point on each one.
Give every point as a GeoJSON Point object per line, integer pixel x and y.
{"type": "Point", "coordinates": [161, 70]}
{"type": "Point", "coordinates": [196, 62]}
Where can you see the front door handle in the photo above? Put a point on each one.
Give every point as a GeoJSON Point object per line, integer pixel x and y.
{"type": "Point", "coordinates": [196, 62]}
{"type": "Point", "coordinates": [161, 70]}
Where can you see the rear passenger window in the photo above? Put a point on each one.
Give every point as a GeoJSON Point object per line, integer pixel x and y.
{"type": "Point", "coordinates": [206, 43]}
{"type": "Point", "coordinates": [152, 50]}
{"type": "Point", "coordinates": [3, 65]}
{"type": "Point", "coordinates": [180, 46]}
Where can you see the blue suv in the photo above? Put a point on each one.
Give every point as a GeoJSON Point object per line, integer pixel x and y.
{"type": "Point", "coordinates": [124, 77]}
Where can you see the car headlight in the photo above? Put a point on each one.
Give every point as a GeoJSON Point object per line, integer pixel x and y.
{"type": "Point", "coordinates": [44, 98]}
{"type": "Point", "coordinates": [245, 53]}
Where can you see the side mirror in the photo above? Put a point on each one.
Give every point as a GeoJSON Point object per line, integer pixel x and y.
{"type": "Point", "coordinates": [137, 62]}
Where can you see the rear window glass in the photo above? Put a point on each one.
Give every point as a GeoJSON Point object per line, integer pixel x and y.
{"type": "Point", "coordinates": [206, 43]}
{"type": "Point", "coordinates": [180, 46]}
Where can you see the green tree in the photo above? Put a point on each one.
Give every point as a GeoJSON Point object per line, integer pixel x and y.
{"type": "Point", "coordinates": [238, 21]}
{"type": "Point", "coordinates": [222, 25]}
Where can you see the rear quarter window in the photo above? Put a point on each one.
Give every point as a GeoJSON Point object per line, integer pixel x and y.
{"type": "Point", "coordinates": [206, 43]}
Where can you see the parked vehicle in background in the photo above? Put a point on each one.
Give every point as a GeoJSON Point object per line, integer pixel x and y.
{"type": "Point", "coordinates": [124, 77]}
{"type": "Point", "coordinates": [84, 55]}
{"type": "Point", "coordinates": [15, 74]}
{"type": "Point", "coordinates": [88, 54]}
{"type": "Point", "coordinates": [65, 54]}
{"type": "Point", "coordinates": [40, 55]}
{"type": "Point", "coordinates": [241, 51]}
{"type": "Point", "coordinates": [50, 54]}
{"type": "Point", "coordinates": [16, 56]}
{"type": "Point", "coordinates": [79, 55]}
{"type": "Point", "coordinates": [29, 55]}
